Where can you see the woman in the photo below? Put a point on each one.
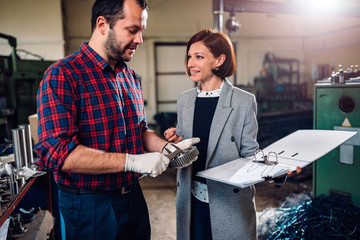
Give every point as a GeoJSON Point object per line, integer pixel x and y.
{"type": "Point", "coordinates": [224, 118]}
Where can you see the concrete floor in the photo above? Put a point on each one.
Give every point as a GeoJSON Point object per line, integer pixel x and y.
{"type": "Point", "coordinates": [160, 195]}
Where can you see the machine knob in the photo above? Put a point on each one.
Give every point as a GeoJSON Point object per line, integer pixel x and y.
{"type": "Point", "coordinates": [346, 104]}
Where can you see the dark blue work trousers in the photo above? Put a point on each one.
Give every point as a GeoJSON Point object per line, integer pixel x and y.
{"type": "Point", "coordinates": [105, 216]}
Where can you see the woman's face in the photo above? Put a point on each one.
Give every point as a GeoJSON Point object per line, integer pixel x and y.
{"type": "Point", "coordinates": [201, 62]}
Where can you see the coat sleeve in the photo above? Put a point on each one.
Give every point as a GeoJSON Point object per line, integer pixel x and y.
{"type": "Point", "coordinates": [249, 133]}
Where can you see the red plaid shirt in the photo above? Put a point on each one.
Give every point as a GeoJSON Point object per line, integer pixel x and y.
{"type": "Point", "coordinates": [83, 100]}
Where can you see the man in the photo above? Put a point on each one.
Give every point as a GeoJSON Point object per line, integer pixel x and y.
{"type": "Point", "coordinates": [93, 131]}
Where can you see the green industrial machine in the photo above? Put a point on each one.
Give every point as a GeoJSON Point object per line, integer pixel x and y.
{"type": "Point", "coordinates": [19, 82]}
{"type": "Point", "coordinates": [337, 107]}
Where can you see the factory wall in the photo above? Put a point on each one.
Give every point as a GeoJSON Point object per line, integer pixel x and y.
{"type": "Point", "coordinates": [333, 48]}
{"type": "Point", "coordinates": [324, 52]}
{"type": "Point", "coordinates": [37, 25]}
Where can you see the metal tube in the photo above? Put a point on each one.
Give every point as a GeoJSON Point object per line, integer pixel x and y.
{"type": "Point", "coordinates": [20, 180]}
{"type": "Point", "coordinates": [29, 150]}
{"type": "Point", "coordinates": [13, 185]}
{"type": "Point", "coordinates": [16, 143]}
{"type": "Point", "coordinates": [218, 11]}
{"type": "Point", "coordinates": [23, 149]}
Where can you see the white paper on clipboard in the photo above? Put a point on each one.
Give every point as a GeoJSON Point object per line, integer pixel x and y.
{"type": "Point", "coordinates": [297, 149]}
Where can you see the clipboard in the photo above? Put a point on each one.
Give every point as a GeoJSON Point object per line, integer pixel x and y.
{"type": "Point", "coordinates": [297, 149]}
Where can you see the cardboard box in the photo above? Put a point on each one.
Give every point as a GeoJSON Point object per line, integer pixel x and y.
{"type": "Point", "coordinates": [33, 120]}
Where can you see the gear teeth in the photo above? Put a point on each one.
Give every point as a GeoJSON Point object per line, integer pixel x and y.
{"type": "Point", "coordinates": [184, 158]}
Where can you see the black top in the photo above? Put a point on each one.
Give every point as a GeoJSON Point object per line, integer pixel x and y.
{"type": "Point", "coordinates": [203, 116]}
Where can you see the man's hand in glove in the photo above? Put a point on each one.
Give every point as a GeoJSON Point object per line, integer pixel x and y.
{"type": "Point", "coordinates": [152, 164]}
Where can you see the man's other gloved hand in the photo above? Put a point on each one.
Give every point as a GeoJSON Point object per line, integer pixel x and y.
{"type": "Point", "coordinates": [188, 143]}
{"type": "Point", "coordinates": [152, 164]}
{"type": "Point", "coordinates": [170, 148]}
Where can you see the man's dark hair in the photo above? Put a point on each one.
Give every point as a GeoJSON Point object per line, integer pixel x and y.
{"type": "Point", "coordinates": [111, 10]}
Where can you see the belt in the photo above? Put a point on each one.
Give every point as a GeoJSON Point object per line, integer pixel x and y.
{"type": "Point", "coordinates": [122, 190]}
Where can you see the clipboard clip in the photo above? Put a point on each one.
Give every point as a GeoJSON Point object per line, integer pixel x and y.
{"type": "Point", "coordinates": [266, 159]}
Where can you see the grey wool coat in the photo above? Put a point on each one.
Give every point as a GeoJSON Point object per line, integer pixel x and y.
{"type": "Point", "coordinates": [232, 135]}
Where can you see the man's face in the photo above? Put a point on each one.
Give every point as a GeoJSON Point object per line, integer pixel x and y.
{"type": "Point", "coordinates": [126, 35]}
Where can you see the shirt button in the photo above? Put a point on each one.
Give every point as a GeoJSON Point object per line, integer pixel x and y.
{"type": "Point", "coordinates": [233, 139]}
{"type": "Point", "coordinates": [236, 190]}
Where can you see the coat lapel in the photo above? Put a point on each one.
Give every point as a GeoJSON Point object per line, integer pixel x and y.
{"type": "Point", "coordinates": [221, 116]}
{"type": "Point", "coordinates": [188, 112]}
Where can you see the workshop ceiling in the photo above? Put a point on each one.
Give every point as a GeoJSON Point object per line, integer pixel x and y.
{"type": "Point", "coordinates": [349, 8]}
{"type": "Point", "coordinates": [296, 17]}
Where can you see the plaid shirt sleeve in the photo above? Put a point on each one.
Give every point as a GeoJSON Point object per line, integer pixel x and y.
{"type": "Point", "coordinates": [56, 113]}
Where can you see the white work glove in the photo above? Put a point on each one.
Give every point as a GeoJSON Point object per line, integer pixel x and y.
{"type": "Point", "coordinates": [188, 143]}
{"type": "Point", "coordinates": [152, 164]}
{"type": "Point", "coordinates": [170, 148]}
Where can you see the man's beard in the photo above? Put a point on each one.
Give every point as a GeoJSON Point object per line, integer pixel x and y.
{"type": "Point", "coordinates": [114, 50]}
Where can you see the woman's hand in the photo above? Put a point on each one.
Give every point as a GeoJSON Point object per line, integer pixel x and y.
{"type": "Point", "coordinates": [170, 135]}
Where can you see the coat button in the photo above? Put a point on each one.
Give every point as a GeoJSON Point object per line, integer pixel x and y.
{"type": "Point", "coordinates": [236, 190]}
{"type": "Point", "coordinates": [232, 138]}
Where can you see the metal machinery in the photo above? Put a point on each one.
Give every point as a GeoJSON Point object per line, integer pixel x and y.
{"type": "Point", "coordinates": [19, 81]}
{"type": "Point", "coordinates": [337, 107]}
{"type": "Point", "coordinates": [283, 106]}
{"type": "Point", "coordinates": [278, 86]}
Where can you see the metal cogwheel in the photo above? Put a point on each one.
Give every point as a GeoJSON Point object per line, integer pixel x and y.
{"type": "Point", "coordinates": [184, 157]}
